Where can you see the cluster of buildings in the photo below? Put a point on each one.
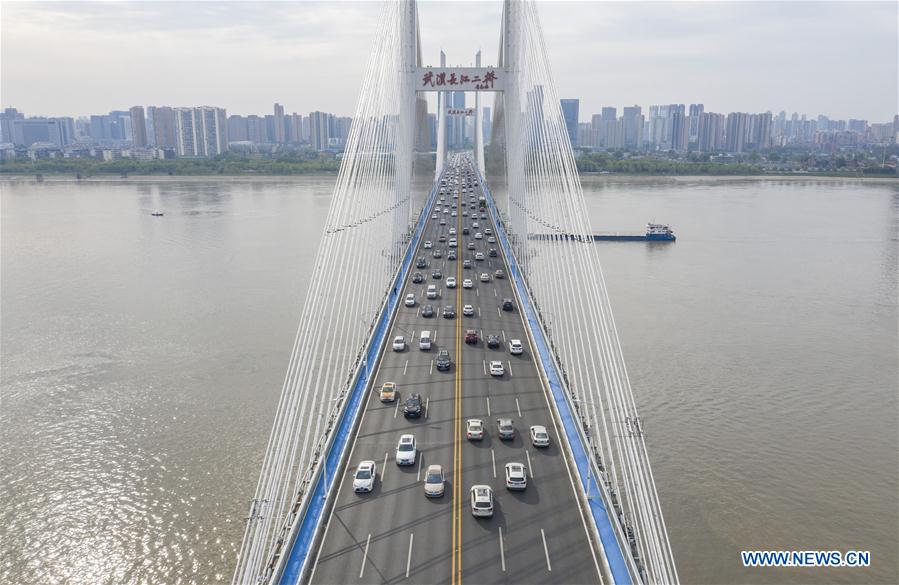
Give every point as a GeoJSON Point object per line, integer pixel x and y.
{"type": "Point", "coordinates": [161, 132]}
{"type": "Point", "coordinates": [675, 127]}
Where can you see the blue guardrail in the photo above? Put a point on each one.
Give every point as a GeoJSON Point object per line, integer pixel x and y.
{"type": "Point", "coordinates": [301, 545]}
{"type": "Point", "coordinates": [600, 514]}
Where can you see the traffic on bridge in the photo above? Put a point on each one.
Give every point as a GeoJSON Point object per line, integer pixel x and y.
{"type": "Point", "coordinates": [502, 507]}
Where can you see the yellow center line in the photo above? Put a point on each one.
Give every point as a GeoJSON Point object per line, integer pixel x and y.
{"type": "Point", "coordinates": [457, 423]}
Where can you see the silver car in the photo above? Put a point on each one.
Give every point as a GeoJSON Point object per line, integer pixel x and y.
{"type": "Point", "coordinates": [434, 481]}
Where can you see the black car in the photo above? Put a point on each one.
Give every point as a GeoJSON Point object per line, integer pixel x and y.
{"type": "Point", "coordinates": [418, 278]}
{"type": "Point", "coordinates": [412, 408]}
{"type": "Point", "coordinates": [443, 361]}
{"type": "Point", "coordinates": [421, 263]}
{"type": "Point", "coordinates": [508, 305]}
{"type": "Point", "coordinates": [427, 311]}
{"type": "Point", "coordinates": [465, 231]}
{"type": "Point", "coordinates": [437, 275]}
{"type": "Point", "coordinates": [449, 312]}
{"type": "Point", "coordinates": [493, 341]}
{"type": "Point", "coordinates": [492, 253]}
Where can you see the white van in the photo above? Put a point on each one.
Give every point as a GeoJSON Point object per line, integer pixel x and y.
{"type": "Point", "coordinates": [424, 341]}
{"type": "Point", "coordinates": [432, 291]}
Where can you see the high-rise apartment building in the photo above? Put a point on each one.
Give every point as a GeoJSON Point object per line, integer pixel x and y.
{"type": "Point", "coordinates": [278, 123]}
{"type": "Point", "coordinates": [138, 126]}
{"type": "Point", "coordinates": [201, 132]}
{"type": "Point", "coordinates": [6, 118]}
{"type": "Point", "coordinates": [633, 126]}
{"type": "Point", "coordinates": [570, 111]}
{"type": "Point", "coordinates": [737, 132]}
{"type": "Point", "coordinates": [696, 111]}
{"type": "Point", "coordinates": [711, 132]}
{"type": "Point", "coordinates": [320, 129]}
{"type": "Point", "coordinates": [163, 126]}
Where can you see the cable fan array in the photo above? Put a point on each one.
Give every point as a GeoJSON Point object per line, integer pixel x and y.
{"type": "Point", "coordinates": [363, 243]}
{"type": "Point", "coordinates": [563, 274]}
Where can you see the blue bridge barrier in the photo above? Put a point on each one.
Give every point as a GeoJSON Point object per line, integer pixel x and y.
{"type": "Point", "coordinates": [601, 517]}
{"type": "Point", "coordinates": [311, 520]}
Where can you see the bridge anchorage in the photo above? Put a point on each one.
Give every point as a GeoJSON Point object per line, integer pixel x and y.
{"type": "Point", "coordinates": [412, 237]}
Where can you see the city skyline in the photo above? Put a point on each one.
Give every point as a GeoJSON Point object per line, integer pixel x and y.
{"type": "Point", "coordinates": [808, 57]}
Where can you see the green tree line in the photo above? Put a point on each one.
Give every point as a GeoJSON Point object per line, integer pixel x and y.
{"type": "Point", "coordinates": [227, 165]}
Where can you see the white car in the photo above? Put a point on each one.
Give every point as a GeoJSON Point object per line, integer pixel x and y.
{"type": "Point", "coordinates": [496, 368]}
{"type": "Point", "coordinates": [485, 277]}
{"type": "Point", "coordinates": [451, 282]}
{"type": "Point", "coordinates": [475, 429]}
{"type": "Point", "coordinates": [454, 214]}
{"type": "Point", "coordinates": [410, 300]}
{"type": "Point", "coordinates": [515, 347]}
{"type": "Point", "coordinates": [428, 245]}
{"type": "Point", "coordinates": [516, 476]}
{"type": "Point", "coordinates": [433, 216]}
{"type": "Point", "coordinates": [453, 243]}
{"type": "Point", "coordinates": [452, 231]}
{"type": "Point", "coordinates": [406, 450]}
{"type": "Point", "coordinates": [491, 240]}
{"type": "Point", "coordinates": [434, 481]}
{"type": "Point", "coordinates": [467, 283]}
{"type": "Point", "coordinates": [539, 436]}
{"type": "Point", "coordinates": [478, 236]}
{"type": "Point", "coordinates": [468, 311]}
{"type": "Point", "coordinates": [479, 256]}
{"type": "Point", "coordinates": [481, 501]}
{"type": "Point", "coordinates": [399, 343]}
{"type": "Point", "coordinates": [475, 225]}
{"type": "Point", "coordinates": [442, 221]}
{"type": "Point", "coordinates": [364, 478]}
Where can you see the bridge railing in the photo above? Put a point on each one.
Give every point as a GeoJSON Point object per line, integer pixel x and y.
{"type": "Point", "coordinates": [618, 549]}
{"type": "Point", "coordinates": [301, 534]}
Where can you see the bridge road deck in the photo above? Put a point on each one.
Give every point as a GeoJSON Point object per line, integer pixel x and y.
{"type": "Point", "coordinates": [395, 534]}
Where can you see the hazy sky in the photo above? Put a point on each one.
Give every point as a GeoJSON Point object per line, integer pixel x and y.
{"type": "Point", "coordinates": [77, 58]}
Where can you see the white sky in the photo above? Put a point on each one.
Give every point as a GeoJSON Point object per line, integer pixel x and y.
{"type": "Point", "coordinates": [78, 58]}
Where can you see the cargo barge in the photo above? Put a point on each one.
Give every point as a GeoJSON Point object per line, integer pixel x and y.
{"type": "Point", "coordinates": [655, 232]}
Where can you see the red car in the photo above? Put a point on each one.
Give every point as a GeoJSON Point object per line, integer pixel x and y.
{"type": "Point", "coordinates": [471, 336]}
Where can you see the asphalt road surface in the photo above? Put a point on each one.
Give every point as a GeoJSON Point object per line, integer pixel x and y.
{"type": "Point", "coordinates": [397, 535]}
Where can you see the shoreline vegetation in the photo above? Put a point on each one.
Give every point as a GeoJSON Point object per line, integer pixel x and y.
{"type": "Point", "coordinates": [81, 168]}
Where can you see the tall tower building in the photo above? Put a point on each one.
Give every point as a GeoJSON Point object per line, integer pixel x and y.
{"type": "Point", "coordinates": [570, 113]}
{"type": "Point", "coordinates": [696, 111]}
{"type": "Point", "coordinates": [163, 126]}
{"type": "Point", "coordinates": [138, 126]}
{"type": "Point", "coordinates": [279, 124]}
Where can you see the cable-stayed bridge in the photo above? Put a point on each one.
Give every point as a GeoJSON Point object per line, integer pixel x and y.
{"type": "Point", "coordinates": [410, 230]}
